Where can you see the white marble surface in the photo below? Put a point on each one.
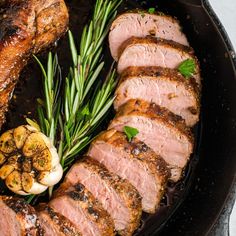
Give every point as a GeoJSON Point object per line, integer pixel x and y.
{"type": "Point", "coordinates": [226, 11]}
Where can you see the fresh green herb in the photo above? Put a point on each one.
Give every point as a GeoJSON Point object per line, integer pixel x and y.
{"type": "Point", "coordinates": [70, 113]}
{"type": "Point", "coordinates": [49, 108]}
{"type": "Point", "coordinates": [33, 123]}
{"type": "Point", "coordinates": [187, 68]}
{"type": "Point", "coordinates": [80, 108]}
{"type": "Point", "coordinates": [151, 10]}
{"type": "Point", "coordinates": [130, 132]}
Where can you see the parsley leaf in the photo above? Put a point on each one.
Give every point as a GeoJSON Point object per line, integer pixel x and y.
{"type": "Point", "coordinates": [187, 68]}
{"type": "Point", "coordinates": [130, 132]}
{"type": "Point", "coordinates": [151, 10]}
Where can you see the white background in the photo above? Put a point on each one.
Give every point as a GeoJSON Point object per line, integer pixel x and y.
{"type": "Point", "coordinates": [226, 11]}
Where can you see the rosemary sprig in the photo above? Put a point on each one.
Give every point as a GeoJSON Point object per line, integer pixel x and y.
{"type": "Point", "coordinates": [81, 113]}
{"type": "Point", "coordinates": [70, 114]}
{"type": "Point", "coordinates": [49, 109]}
{"type": "Point", "coordinates": [78, 129]}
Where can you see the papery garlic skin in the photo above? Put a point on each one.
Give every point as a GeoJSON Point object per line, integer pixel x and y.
{"type": "Point", "coordinates": [29, 162]}
{"type": "Point", "coordinates": [53, 177]}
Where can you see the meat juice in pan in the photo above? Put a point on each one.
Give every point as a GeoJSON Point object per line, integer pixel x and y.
{"type": "Point", "coordinates": [23, 105]}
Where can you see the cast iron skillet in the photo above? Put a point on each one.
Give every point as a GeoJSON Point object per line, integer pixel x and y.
{"type": "Point", "coordinates": [192, 206]}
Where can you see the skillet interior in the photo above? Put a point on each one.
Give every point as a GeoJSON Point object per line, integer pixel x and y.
{"type": "Point", "coordinates": [192, 206]}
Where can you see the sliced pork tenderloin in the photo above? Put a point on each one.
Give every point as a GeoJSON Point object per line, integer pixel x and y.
{"type": "Point", "coordinates": [18, 218]}
{"type": "Point", "coordinates": [135, 162]}
{"type": "Point", "coordinates": [118, 197]}
{"type": "Point", "coordinates": [161, 130]}
{"type": "Point", "coordinates": [53, 223]}
{"type": "Point", "coordinates": [163, 86]}
{"type": "Point", "coordinates": [151, 51]}
{"type": "Point", "coordinates": [141, 24]}
{"type": "Point", "coordinates": [79, 206]}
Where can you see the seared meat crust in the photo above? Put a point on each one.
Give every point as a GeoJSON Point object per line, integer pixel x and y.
{"type": "Point", "coordinates": [133, 161]}
{"type": "Point", "coordinates": [139, 23]}
{"type": "Point", "coordinates": [118, 196]}
{"type": "Point", "coordinates": [95, 220]}
{"type": "Point", "coordinates": [26, 27]}
{"type": "Point", "coordinates": [163, 86]}
{"type": "Point", "coordinates": [53, 223]}
{"type": "Point", "coordinates": [24, 214]}
{"type": "Point", "coordinates": [163, 131]}
{"type": "Point", "coordinates": [150, 51]}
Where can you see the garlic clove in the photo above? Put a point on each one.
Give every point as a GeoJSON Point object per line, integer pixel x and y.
{"type": "Point", "coordinates": [6, 170]}
{"type": "Point", "coordinates": [38, 188]}
{"type": "Point", "coordinates": [30, 186]}
{"type": "Point", "coordinates": [27, 181]}
{"type": "Point", "coordinates": [43, 161]}
{"type": "Point", "coordinates": [34, 144]}
{"type": "Point", "coordinates": [2, 158]}
{"type": "Point", "coordinates": [13, 181]}
{"type": "Point", "coordinates": [20, 134]}
{"type": "Point", "coordinates": [55, 158]}
{"type": "Point", "coordinates": [7, 144]}
{"type": "Point", "coordinates": [51, 178]}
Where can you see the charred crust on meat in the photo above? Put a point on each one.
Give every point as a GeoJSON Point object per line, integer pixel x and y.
{"type": "Point", "coordinates": [78, 196]}
{"type": "Point", "coordinates": [152, 32]}
{"type": "Point", "coordinates": [65, 226]}
{"type": "Point", "coordinates": [79, 187]}
{"type": "Point", "coordinates": [9, 32]}
{"type": "Point", "coordinates": [142, 11]}
{"type": "Point", "coordinates": [163, 74]}
{"type": "Point", "coordinates": [98, 215]}
{"type": "Point", "coordinates": [193, 110]}
{"type": "Point", "coordinates": [136, 148]}
{"type": "Point", "coordinates": [137, 103]}
{"type": "Point", "coordinates": [18, 206]}
{"type": "Point", "coordinates": [159, 41]}
{"type": "Point", "coordinates": [20, 30]}
{"type": "Point", "coordinates": [118, 183]}
{"type": "Point", "coordinates": [156, 71]}
{"type": "Point", "coordinates": [153, 111]}
{"type": "Point", "coordinates": [127, 194]}
{"type": "Point", "coordinates": [93, 212]}
{"type": "Point", "coordinates": [25, 214]}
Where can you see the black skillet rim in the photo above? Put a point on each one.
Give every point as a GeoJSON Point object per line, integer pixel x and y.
{"type": "Point", "coordinates": [226, 209]}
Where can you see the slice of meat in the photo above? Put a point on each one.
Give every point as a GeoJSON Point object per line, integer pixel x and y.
{"type": "Point", "coordinates": [159, 129]}
{"type": "Point", "coordinates": [18, 218]}
{"type": "Point", "coordinates": [133, 161]}
{"type": "Point", "coordinates": [163, 86]}
{"type": "Point", "coordinates": [150, 51]}
{"type": "Point", "coordinates": [118, 197]}
{"type": "Point", "coordinates": [53, 223]}
{"type": "Point", "coordinates": [79, 206]}
{"type": "Point", "coordinates": [141, 24]}
{"type": "Point", "coordinates": [26, 27]}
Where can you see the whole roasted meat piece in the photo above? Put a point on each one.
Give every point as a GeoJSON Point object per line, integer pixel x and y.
{"type": "Point", "coordinates": [26, 27]}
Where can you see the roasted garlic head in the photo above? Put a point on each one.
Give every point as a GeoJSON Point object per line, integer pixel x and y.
{"type": "Point", "coordinates": [29, 162]}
